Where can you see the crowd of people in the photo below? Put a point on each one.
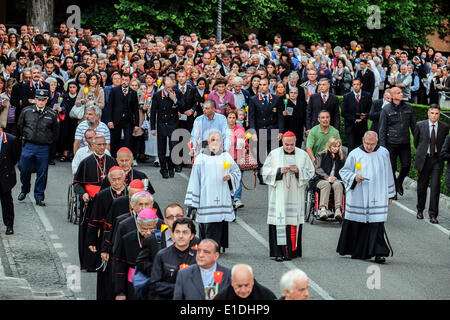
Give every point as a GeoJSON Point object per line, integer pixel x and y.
{"type": "Point", "coordinates": [106, 102]}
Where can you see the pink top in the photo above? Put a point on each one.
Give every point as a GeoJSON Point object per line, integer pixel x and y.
{"type": "Point", "coordinates": [237, 133]}
{"type": "Point", "coordinates": [220, 103]}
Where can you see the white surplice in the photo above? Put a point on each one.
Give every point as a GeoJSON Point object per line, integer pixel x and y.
{"type": "Point", "coordinates": [286, 196]}
{"type": "Point", "coordinates": [368, 201]}
{"type": "Point", "coordinates": [208, 192]}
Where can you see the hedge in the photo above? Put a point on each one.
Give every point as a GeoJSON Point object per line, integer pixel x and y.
{"type": "Point", "coordinates": [420, 111]}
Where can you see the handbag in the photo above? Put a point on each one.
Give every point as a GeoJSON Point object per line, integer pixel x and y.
{"type": "Point", "coordinates": [140, 284]}
{"type": "Point", "coordinates": [247, 163]}
{"type": "Point", "coordinates": [77, 112]}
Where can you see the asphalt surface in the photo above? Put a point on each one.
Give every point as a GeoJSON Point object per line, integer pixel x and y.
{"type": "Point", "coordinates": [44, 250]}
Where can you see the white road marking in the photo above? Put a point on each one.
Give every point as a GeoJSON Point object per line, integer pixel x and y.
{"type": "Point", "coordinates": [288, 264]}
{"type": "Point", "coordinates": [414, 213]}
{"type": "Point", "coordinates": [58, 245]}
{"type": "Point", "coordinates": [47, 225]}
{"type": "Point", "coordinates": [265, 243]}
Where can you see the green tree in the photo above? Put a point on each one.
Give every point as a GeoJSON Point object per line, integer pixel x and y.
{"type": "Point", "coordinates": [402, 22]}
{"type": "Point", "coordinates": [180, 17]}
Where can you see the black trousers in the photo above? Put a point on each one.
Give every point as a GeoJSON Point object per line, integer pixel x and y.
{"type": "Point", "coordinates": [165, 162]}
{"type": "Point", "coordinates": [7, 207]}
{"type": "Point", "coordinates": [264, 153]}
{"type": "Point", "coordinates": [404, 152]}
{"type": "Point", "coordinates": [116, 134]}
{"type": "Point", "coordinates": [431, 172]}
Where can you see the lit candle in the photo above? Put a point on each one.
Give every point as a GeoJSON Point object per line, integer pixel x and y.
{"type": "Point", "coordinates": [158, 82]}
{"type": "Point", "coordinates": [248, 135]}
{"type": "Point", "coordinates": [358, 166]}
{"type": "Point", "coordinates": [190, 144]}
{"type": "Point", "coordinates": [183, 266]}
{"type": "Point", "coordinates": [246, 109]}
{"type": "Point", "coordinates": [86, 90]}
{"type": "Point", "coordinates": [205, 96]}
{"type": "Point", "coordinates": [226, 164]}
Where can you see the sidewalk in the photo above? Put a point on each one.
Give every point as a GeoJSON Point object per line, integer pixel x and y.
{"type": "Point", "coordinates": [30, 268]}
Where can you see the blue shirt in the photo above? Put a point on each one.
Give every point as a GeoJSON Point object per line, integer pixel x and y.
{"type": "Point", "coordinates": [208, 275]}
{"type": "Point", "coordinates": [203, 125]}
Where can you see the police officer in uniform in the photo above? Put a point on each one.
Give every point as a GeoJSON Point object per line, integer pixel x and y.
{"type": "Point", "coordinates": [265, 113]}
{"type": "Point", "coordinates": [38, 126]}
{"type": "Point", "coordinates": [164, 117]}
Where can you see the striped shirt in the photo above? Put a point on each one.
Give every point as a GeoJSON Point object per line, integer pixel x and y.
{"type": "Point", "coordinates": [84, 125]}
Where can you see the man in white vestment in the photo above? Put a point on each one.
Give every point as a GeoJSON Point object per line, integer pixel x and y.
{"type": "Point", "coordinates": [214, 179]}
{"type": "Point", "coordinates": [369, 186]}
{"type": "Point", "coordinates": [286, 171]}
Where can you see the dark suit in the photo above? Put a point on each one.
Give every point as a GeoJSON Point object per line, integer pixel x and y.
{"type": "Point", "coordinates": [367, 80]}
{"type": "Point", "coordinates": [265, 115]}
{"type": "Point", "coordinates": [351, 110]}
{"type": "Point", "coordinates": [429, 166]}
{"type": "Point", "coordinates": [315, 105]}
{"type": "Point", "coordinates": [296, 122]}
{"type": "Point", "coordinates": [189, 284]}
{"type": "Point", "coordinates": [28, 91]}
{"type": "Point", "coordinates": [445, 156]}
{"type": "Point", "coordinates": [123, 112]}
{"type": "Point", "coordinates": [164, 119]}
{"type": "Point", "coordinates": [374, 114]}
{"type": "Point", "coordinates": [9, 156]}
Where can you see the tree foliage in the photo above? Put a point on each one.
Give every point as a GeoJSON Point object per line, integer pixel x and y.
{"type": "Point", "coordinates": [402, 22]}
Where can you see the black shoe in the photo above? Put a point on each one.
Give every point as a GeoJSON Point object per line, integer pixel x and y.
{"type": "Point", "coordinates": [419, 215]}
{"type": "Point", "coordinates": [379, 259]}
{"type": "Point", "coordinates": [40, 203]}
{"type": "Point", "coordinates": [395, 197]}
{"type": "Point", "coordinates": [9, 230]}
{"type": "Point", "coordinates": [278, 259]}
{"type": "Point", "coordinates": [178, 168]}
{"type": "Point", "coordinates": [51, 162]}
{"type": "Point", "coordinates": [400, 190]}
{"type": "Point", "coordinates": [21, 196]}
{"type": "Point", "coordinates": [172, 173]}
{"type": "Point", "coordinates": [165, 174]}
{"type": "Point", "coordinates": [261, 181]}
{"type": "Point", "coordinates": [433, 220]}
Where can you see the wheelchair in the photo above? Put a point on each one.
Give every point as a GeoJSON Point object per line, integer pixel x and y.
{"type": "Point", "coordinates": [312, 196]}
{"type": "Point", "coordinates": [73, 205]}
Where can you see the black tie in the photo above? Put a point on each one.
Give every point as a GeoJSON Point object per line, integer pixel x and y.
{"type": "Point", "coordinates": [432, 141]}
{"type": "Point", "coordinates": [265, 99]}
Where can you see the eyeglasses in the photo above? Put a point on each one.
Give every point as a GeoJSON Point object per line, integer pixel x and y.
{"type": "Point", "coordinates": [174, 217]}
{"type": "Point", "coordinates": [101, 144]}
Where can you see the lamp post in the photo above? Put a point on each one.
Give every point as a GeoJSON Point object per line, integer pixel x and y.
{"type": "Point", "coordinates": [219, 21]}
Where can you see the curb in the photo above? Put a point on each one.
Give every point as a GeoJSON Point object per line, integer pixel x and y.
{"type": "Point", "coordinates": [15, 289]}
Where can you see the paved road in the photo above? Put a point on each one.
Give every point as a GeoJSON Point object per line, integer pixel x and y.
{"type": "Point", "coordinates": [46, 241]}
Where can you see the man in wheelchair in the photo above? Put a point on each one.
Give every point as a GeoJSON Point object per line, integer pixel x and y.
{"type": "Point", "coordinates": [327, 165]}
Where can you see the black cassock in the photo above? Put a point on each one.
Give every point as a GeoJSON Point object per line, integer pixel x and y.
{"type": "Point", "coordinates": [91, 171]}
{"type": "Point", "coordinates": [127, 251]}
{"type": "Point", "coordinates": [296, 122]}
{"type": "Point", "coordinates": [259, 292]}
{"type": "Point", "coordinates": [96, 227]}
{"type": "Point", "coordinates": [130, 176]}
{"type": "Point", "coordinates": [119, 207]}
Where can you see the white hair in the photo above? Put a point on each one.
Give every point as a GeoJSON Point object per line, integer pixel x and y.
{"type": "Point", "coordinates": [98, 136]}
{"type": "Point", "coordinates": [233, 270]}
{"type": "Point", "coordinates": [293, 75]}
{"type": "Point", "coordinates": [50, 80]}
{"type": "Point", "coordinates": [288, 279]}
{"type": "Point", "coordinates": [237, 80]}
{"type": "Point", "coordinates": [123, 173]}
{"type": "Point", "coordinates": [139, 195]}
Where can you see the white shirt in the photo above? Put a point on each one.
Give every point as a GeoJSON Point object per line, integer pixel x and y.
{"type": "Point", "coordinates": [82, 154]}
{"type": "Point", "coordinates": [430, 127]}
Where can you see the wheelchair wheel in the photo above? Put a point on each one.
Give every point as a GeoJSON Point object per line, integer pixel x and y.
{"type": "Point", "coordinates": [76, 210]}
{"type": "Point", "coordinates": [70, 203]}
{"type": "Point", "coordinates": [307, 205]}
